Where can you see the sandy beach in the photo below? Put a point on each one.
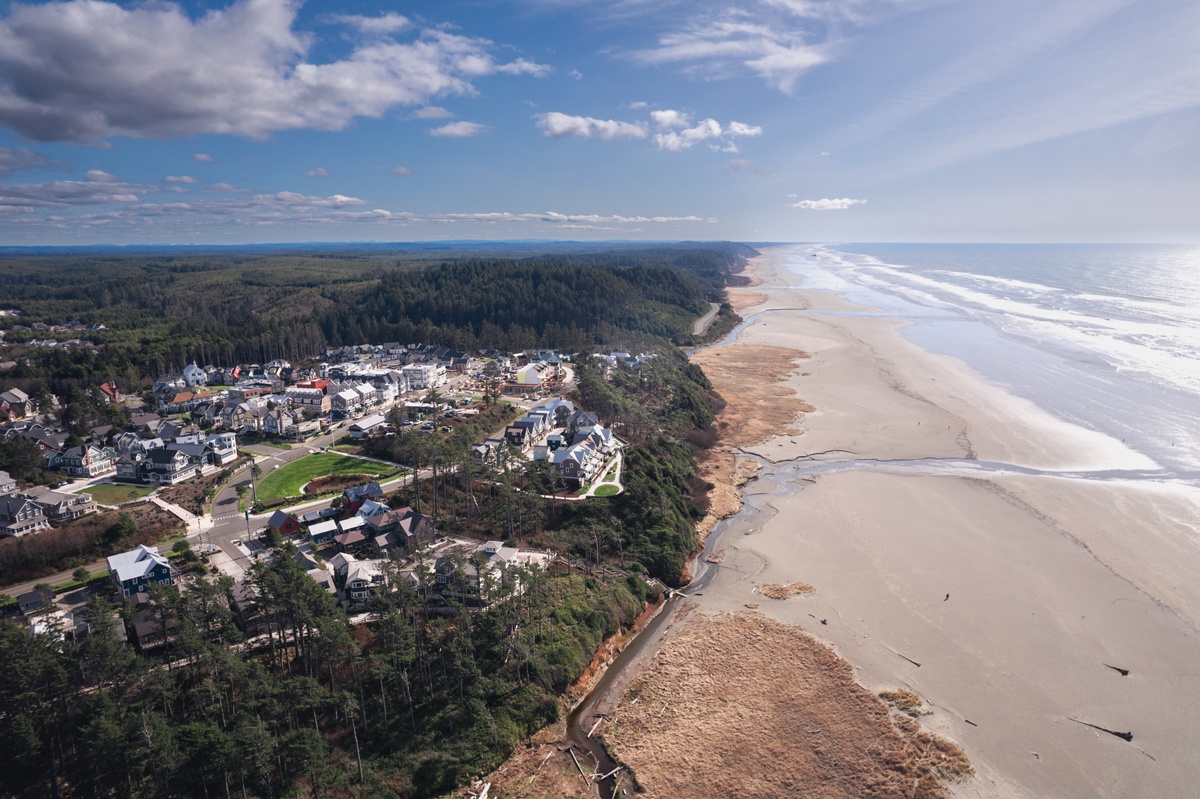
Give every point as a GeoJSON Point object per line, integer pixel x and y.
{"type": "Point", "coordinates": [1009, 594]}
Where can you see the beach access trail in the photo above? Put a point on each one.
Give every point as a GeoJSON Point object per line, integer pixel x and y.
{"type": "Point", "coordinates": [1031, 581]}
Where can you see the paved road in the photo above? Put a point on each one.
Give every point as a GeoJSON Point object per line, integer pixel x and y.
{"type": "Point", "coordinates": [704, 321]}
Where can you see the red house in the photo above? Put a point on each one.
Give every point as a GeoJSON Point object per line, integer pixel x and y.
{"type": "Point", "coordinates": [283, 524]}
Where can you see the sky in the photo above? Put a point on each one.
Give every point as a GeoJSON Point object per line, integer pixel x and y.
{"type": "Point", "coordinates": [274, 121]}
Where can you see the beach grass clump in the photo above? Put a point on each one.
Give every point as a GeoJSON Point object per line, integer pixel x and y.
{"type": "Point", "coordinates": [903, 700]}
{"type": "Point", "coordinates": [785, 590]}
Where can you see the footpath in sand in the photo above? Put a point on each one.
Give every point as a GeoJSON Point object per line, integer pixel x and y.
{"type": "Point", "coordinates": [1048, 621]}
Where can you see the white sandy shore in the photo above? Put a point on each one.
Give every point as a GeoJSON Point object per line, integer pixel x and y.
{"type": "Point", "coordinates": [1049, 578]}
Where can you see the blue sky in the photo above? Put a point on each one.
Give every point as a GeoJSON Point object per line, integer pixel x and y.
{"type": "Point", "coordinates": [784, 120]}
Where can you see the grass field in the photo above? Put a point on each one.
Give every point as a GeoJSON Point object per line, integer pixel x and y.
{"type": "Point", "coordinates": [606, 490]}
{"type": "Point", "coordinates": [116, 493]}
{"type": "Point", "coordinates": [287, 481]}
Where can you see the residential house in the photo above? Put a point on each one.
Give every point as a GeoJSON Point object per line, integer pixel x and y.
{"type": "Point", "coordinates": [322, 533]}
{"type": "Point", "coordinates": [424, 376]}
{"type": "Point", "coordinates": [222, 448]}
{"type": "Point", "coordinates": [85, 460]}
{"type": "Point", "coordinates": [582, 419]}
{"type": "Point", "coordinates": [35, 600]}
{"type": "Point", "coordinates": [277, 422]}
{"type": "Point", "coordinates": [196, 454]}
{"type": "Point", "coordinates": [354, 497]}
{"type": "Point", "coordinates": [367, 394]}
{"type": "Point", "coordinates": [233, 415]}
{"type": "Point", "coordinates": [59, 506]}
{"type": "Point", "coordinates": [486, 453]}
{"type": "Point", "coordinates": [50, 441]}
{"type": "Point", "coordinates": [7, 484]}
{"type": "Point", "coordinates": [560, 411]}
{"type": "Point", "coordinates": [404, 528]}
{"type": "Point", "coordinates": [283, 524]}
{"type": "Point", "coordinates": [145, 423]}
{"type": "Point", "coordinates": [135, 571]}
{"type": "Point", "coordinates": [111, 393]}
{"type": "Point", "coordinates": [310, 399]}
{"type": "Point", "coordinates": [165, 466]}
{"type": "Point", "coordinates": [358, 579]}
{"type": "Point", "coordinates": [15, 404]}
{"type": "Point", "coordinates": [154, 627]}
{"type": "Point", "coordinates": [20, 516]}
{"type": "Point", "coordinates": [345, 402]}
{"type": "Point", "coordinates": [353, 534]}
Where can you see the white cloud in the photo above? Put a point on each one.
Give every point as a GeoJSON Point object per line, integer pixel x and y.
{"type": "Point", "coordinates": [402, 171]}
{"type": "Point", "coordinates": [180, 179]}
{"type": "Point", "coordinates": [15, 159]}
{"type": "Point", "coordinates": [458, 130]}
{"type": "Point", "coordinates": [204, 158]}
{"type": "Point", "coordinates": [390, 22]}
{"type": "Point", "coordinates": [738, 164]}
{"type": "Point", "coordinates": [319, 172]}
{"type": "Point", "coordinates": [556, 125]}
{"type": "Point", "coordinates": [151, 70]}
{"type": "Point", "coordinates": [827, 205]}
{"type": "Point", "coordinates": [677, 136]}
{"type": "Point", "coordinates": [765, 38]}
{"type": "Point", "coordinates": [523, 67]}
{"type": "Point", "coordinates": [639, 104]}
{"type": "Point", "coordinates": [668, 118]}
{"type": "Point", "coordinates": [431, 112]}
{"type": "Point", "coordinates": [576, 74]}
{"type": "Point", "coordinates": [224, 188]}
{"type": "Point", "coordinates": [70, 193]}
{"type": "Point", "coordinates": [99, 176]}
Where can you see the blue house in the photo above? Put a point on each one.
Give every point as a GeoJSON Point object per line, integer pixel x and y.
{"type": "Point", "coordinates": [135, 571]}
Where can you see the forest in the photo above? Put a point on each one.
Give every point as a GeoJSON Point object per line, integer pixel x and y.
{"type": "Point", "coordinates": [163, 310]}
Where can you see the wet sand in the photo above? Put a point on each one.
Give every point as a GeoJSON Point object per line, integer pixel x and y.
{"type": "Point", "coordinates": [1015, 593]}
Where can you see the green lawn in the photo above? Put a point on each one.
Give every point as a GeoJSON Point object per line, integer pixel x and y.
{"type": "Point", "coordinates": [286, 481]}
{"type": "Point", "coordinates": [116, 493]}
{"type": "Point", "coordinates": [276, 444]}
{"type": "Point", "coordinates": [606, 490]}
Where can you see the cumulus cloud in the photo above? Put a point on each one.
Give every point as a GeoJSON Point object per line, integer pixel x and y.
{"type": "Point", "coordinates": [678, 133]}
{"type": "Point", "coordinates": [319, 172]}
{"type": "Point", "coordinates": [402, 171]}
{"type": "Point", "coordinates": [458, 130]}
{"type": "Point", "coordinates": [204, 158]}
{"type": "Point", "coordinates": [180, 179]}
{"type": "Point", "coordinates": [82, 70]}
{"type": "Point", "coordinates": [827, 205]}
{"type": "Point", "coordinates": [15, 159]}
{"type": "Point", "coordinates": [99, 176]}
{"type": "Point", "coordinates": [555, 125]}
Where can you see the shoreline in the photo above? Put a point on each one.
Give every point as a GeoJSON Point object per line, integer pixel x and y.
{"type": "Point", "coordinates": [1020, 595]}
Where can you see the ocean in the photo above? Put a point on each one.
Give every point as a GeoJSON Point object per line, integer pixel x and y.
{"type": "Point", "coordinates": [1103, 336]}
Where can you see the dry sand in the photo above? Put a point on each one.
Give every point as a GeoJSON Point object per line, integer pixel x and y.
{"type": "Point", "coordinates": [1014, 593]}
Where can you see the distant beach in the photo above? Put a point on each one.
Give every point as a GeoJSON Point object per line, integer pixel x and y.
{"type": "Point", "coordinates": [1047, 618]}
